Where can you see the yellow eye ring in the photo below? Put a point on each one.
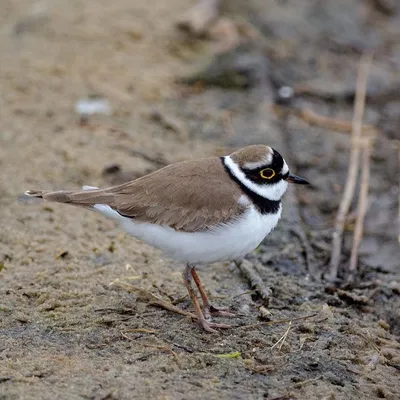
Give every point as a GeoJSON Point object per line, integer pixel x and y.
{"type": "Point", "coordinates": [267, 173]}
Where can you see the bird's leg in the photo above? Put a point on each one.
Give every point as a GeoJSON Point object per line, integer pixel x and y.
{"type": "Point", "coordinates": [208, 308]}
{"type": "Point", "coordinates": [207, 325]}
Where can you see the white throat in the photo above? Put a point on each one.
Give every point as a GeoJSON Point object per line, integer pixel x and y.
{"type": "Point", "coordinates": [271, 192]}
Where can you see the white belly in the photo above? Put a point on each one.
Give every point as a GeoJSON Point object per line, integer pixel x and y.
{"type": "Point", "coordinates": [226, 242]}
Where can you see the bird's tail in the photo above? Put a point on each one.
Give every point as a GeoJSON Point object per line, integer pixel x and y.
{"type": "Point", "coordinates": [60, 196]}
{"type": "Point", "coordinates": [89, 197]}
{"type": "Point", "coordinates": [35, 193]}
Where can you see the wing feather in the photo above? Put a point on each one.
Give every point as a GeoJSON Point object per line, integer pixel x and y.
{"type": "Point", "coordinates": [188, 196]}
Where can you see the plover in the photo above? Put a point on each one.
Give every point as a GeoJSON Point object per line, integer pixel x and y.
{"type": "Point", "coordinates": [197, 212]}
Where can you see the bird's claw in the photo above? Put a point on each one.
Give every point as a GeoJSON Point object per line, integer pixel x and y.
{"type": "Point", "coordinates": [210, 311]}
{"type": "Point", "coordinates": [209, 326]}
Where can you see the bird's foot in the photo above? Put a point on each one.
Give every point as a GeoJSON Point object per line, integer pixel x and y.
{"type": "Point", "coordinates": [209, 326]}
{"type": "Point", "coordinates": [210, 311]}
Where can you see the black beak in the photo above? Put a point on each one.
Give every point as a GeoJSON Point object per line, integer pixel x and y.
{"type": "Point", "coordinates": [297, 179]}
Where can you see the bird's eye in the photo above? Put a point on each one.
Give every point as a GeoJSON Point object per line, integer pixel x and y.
{"type": "Point", "coordinates": [267, 173]}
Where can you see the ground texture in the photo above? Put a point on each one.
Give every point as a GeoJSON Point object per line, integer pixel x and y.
{"type": "Point", "coordinates": [68, 329]}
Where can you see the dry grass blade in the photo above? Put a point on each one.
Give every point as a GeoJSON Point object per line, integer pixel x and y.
{"type": "Point", "coordinates": [282, 340]}
{"type": "Point", "coordinates": [279, 321]}
{"type": "Point", "coordinates": [362, 204]}
{"type": "Point", "coordinates": [151, 298]}
{"type": "Point", "coordinates": [359, 106]}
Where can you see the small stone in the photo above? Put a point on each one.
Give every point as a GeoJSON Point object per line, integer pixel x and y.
{"type": "Point", "coordinates": [383, 324]}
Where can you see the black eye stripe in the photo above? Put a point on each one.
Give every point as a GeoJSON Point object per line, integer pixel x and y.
{"type": "Point", "coordinates": [277, 161]}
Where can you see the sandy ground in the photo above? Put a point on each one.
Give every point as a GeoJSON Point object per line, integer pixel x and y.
{"type": "Point", "coordinates": [67, 331]}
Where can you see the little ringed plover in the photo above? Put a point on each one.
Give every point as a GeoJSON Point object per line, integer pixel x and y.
{"type": "Point", "coordinates": [198, 212]}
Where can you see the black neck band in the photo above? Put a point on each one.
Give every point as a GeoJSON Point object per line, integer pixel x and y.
{"type": "Point", "coordinates": [265, 206]}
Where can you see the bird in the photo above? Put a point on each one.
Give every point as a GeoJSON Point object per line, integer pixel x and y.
{"type": "Point", "coordinates": [197, 212]}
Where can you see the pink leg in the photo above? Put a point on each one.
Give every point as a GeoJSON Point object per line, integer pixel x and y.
{"type": "Point", "coordinates": [206, 325]}
{"type": "Point", "coordinates": [208, 308]}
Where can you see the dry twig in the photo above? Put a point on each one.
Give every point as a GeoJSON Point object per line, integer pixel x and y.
{"type": "Point", "coordinates": [338, 125]}
{"type": "Point", "coordinates": [348, 194]}
{"type": "Point", "coordinates": [247, 269]}
{"type": "Point", "coordinates": [362, 204]}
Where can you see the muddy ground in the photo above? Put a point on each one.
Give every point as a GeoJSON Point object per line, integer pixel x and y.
{"type": "Point", "coordinates": [67, 330]}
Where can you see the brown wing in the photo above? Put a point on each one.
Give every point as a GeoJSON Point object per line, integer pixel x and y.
{"type": "Point", "coordinates": [188, 196]}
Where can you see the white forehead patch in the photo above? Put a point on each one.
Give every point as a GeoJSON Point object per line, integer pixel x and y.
{"type": "Point", "coordinates": [267, 160]}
